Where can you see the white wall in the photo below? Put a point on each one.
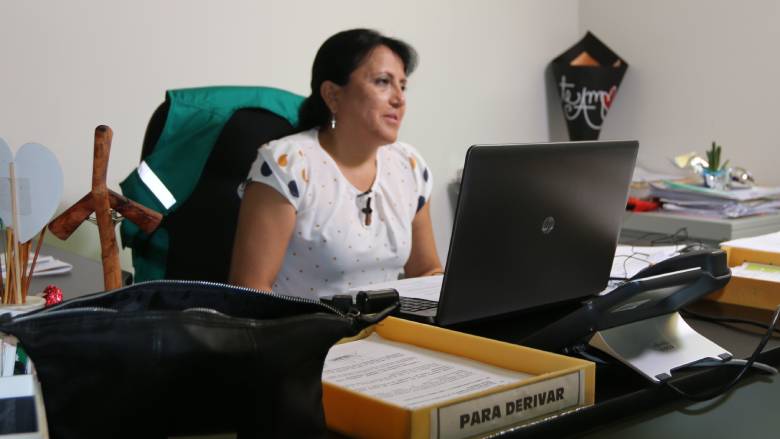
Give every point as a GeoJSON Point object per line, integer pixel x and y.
{"type": "Point", "coordinates": [69, 66]}
{"type": "Point", "coordinates": [699, 70]}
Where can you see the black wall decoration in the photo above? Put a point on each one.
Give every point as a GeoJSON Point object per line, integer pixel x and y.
{"type": "Point", "coordinates": [587, 77]}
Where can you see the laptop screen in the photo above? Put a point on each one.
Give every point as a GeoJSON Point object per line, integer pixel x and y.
{"type": "Point", "coordinates": [535, 225]}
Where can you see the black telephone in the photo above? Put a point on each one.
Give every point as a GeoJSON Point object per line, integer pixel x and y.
{"type": "Point", "coordinates": [707, 260]}
{"type": "Point", "coordinates": [660, 289]}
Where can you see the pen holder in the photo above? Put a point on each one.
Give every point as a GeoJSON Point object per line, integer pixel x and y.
{"type": "Point", "coordinates": [17, 268]}
{"type": "Point", "coordinates": [33, 303]}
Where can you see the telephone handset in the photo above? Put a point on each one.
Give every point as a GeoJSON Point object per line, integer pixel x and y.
{"type": "Point", "coordinates": [711, 261]}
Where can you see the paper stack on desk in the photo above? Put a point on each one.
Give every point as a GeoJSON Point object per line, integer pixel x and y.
{"type": "Point", "coordinates": [700, 200]}
{"type": "Point", "coordinates": [409, 376]}
{"type": "Point", "coordinates": [401, 379]}
{"type": "Point", "coordinates": [44, 266]}
{"type": "Point", "coordinates": [631, 259]}
{"type": "Point", "coordinates": [764, 243]}
{"type": "Point", "coordinates": [643, 178]}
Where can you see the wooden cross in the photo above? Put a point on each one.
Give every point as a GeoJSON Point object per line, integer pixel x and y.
{"type": "Point", "coordinates": [101, 200]}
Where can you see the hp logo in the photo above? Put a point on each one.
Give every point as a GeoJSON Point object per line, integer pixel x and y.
{"type": "Point", "coordinates": [548, 225]}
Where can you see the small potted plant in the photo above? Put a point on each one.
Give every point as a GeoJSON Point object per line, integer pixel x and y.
{"type": "Point", "coordinates": [716, 175]}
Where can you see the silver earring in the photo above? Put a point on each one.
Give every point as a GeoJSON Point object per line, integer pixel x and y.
{"type": "Point", "coordinates": [333, 121]}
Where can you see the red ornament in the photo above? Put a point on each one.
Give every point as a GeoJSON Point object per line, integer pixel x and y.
{"type": "Point", "coordinates": [52, 295]}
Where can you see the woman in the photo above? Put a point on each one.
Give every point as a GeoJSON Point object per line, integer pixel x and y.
{"type": "Point", "coordinates": [342, 203]}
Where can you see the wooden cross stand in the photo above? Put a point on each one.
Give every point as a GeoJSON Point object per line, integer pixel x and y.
{"type": "Point", "coordinates": [101, 200]}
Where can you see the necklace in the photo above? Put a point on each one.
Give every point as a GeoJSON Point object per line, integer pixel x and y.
{"type": "Point", "coordinates": [367, 209]}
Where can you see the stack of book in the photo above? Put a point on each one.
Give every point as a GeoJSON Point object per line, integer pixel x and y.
{"type": "Point", "coordinates": [700, 200]}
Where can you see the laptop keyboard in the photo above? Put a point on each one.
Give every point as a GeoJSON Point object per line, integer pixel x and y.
{"type": "Point", "coordinates": [412, 304]}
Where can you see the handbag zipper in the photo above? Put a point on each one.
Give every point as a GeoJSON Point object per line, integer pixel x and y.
{"type": "Point", "coordinates": [67, 311]}
{"type": "Point", "coordinates": [54, 309]}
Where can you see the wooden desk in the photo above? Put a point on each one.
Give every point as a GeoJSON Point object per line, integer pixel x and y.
{"type": "Point", "coordinates": [626, 404]}
{"type": "Point", "coordinates": [85, 278]}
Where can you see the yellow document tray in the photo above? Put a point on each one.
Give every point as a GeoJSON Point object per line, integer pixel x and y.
{"type": "Point", "coordinates": [358, 415]}
{"type": "Point", "coordinates": [754, 293]}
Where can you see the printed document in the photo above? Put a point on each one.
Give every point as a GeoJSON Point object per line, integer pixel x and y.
{"type": "Point", "coordinates": [8, 345]}
{"type": "Point", "coordinates": [643, 175]}
{"type": "Point", "coordinates": [765, 243]}
{"type": "Point", "coordinates": [407, 375]}
{"type": "Point", "coordinates": [44, 265]}
{"type": "Point", "coordinates": [752, 193]}
{"type": "Point", "coordinates": [631, 259]}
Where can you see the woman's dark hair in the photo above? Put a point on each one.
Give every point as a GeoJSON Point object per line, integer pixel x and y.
{"type": "Point", "coordinates": [337, 58]}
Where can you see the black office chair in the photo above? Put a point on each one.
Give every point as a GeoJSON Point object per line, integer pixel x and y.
{"type": "Point", "coordinates": [202, 229]}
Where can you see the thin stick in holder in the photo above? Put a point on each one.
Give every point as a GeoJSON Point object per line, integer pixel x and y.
{"type": "Point", "coordinates": [28, 278]}
{"type": "Point", "coordinates": [13, 293]}
{"type": "Point", "coordinates": [17, 298]}
{"type": "Point", "coordinates": [8, 290]}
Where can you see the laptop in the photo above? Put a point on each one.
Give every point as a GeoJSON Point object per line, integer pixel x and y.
{"type": "Point", "coordinates": [535, 225]}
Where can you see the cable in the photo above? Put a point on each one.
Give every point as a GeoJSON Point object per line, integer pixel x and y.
{"type": "Point", "coordinates": [635, 256]}
{"type": "Point", "coordinates": [763, 367]}
{"type": "Point", "coordinates": [718, 319]}
{"type": "Point", "coordinates": [581, 350]}
{"type": "Point", "coordinates": [678, 237]}
{"type": "Point", "coordinates": [748, 364]}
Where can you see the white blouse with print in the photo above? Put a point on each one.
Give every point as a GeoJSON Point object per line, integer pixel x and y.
{"type": "Point", "coordinates": [337, 244]}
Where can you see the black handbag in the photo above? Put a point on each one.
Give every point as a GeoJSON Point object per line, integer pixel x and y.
{"type": "Point", "coordinates": [166, 358]}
